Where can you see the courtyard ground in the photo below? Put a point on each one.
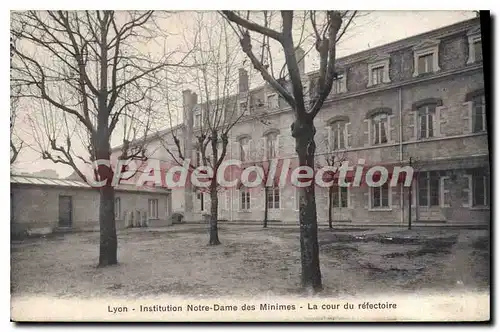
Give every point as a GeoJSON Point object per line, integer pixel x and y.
{"type": "Point", "coordinates": [251, 261]}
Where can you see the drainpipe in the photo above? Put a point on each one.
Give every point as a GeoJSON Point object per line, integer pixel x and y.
{"type": "Point", "coordinates": [400, 105]}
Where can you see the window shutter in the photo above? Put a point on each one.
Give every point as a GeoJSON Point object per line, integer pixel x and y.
{"type": "Point", "coordinates": [235, 150]}
{"type": "Point", "coordinates": [467, 117]}
{"type": "Point", "coordinates": [279, 146]}
{"type": "Point", "coordinates": [395, 196]}
{"type": "Point", "coordinates": [412, 124]}
{"type": "Point", "coordinates": [348, 135]}
{"type": "Point", "coordinates": [251, 150]}
{"type": "Point", "coordinates": [467, 191]}
{"type": "Point", "coordinates": [326, 196]}
{"type": "Point", "coordinates": [262, 149]}
{"type": "Point", "coordinates": [294, 197]}
{"type": "Point", "coordinates": [367, 198]}
{"type": "Point", "coordinates": [441, 113]}
{"type": "Point", "coordinates": [329, 140]}
{"type": "Point", "coordinates": [351, 198]}
{"type": "Point", "coordinates": [280, 190]}
{"type": "Point", "coordinates": [392, 132]}
{"type": "Point", "coordinates": [444, 187]}
{"type": "Point", "coordinates": [261, 199]}
{"type": "Point", "coordinates": [343, 82]}
{"type": "Point", "coordinates": [367, 132]}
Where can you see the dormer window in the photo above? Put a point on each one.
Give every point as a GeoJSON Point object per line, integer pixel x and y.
{"type": "Point", "coordinates": [339, 84]}
{"type": "Point", "coordinates": [197, 119]}
{"type": "Point", "coordinates": [426, 58]}
{"type": "Point", "coordinates": [243, 107]}
{"type": "Point", "coordinates": [378, 73]}
{"type": "Point", "coordinates": [475, 47]}
{"type": "Point", "coordinates": [272, 101]}
{"type": "Point", "coordinates": [425, 63]}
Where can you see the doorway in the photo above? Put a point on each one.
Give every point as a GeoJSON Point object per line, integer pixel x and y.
{"type": "Point", "coordinates": [65, 211]}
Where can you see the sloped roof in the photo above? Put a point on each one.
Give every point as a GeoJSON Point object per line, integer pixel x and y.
{"type": "Point", "coordinates": [40, 181]}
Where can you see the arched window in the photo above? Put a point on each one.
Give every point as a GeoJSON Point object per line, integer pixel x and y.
{"type": "Point", "coordinates": [338, 133]}
{"type": "Point", "coordinates": [271, 145]}
{"type": "Point", "coordinates": [244, 144]}
{"type": "Point", "coordinates": [379, 126]}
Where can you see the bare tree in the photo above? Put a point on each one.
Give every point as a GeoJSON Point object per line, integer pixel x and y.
{"type": "Point", "coordinates": [88, 72]}
{"type": "Point", "coordinates": [216, 79]}
{"type": "Point", "coordinates": [15, 146]}
{"type": "Point", "coordinates": [326, 30]}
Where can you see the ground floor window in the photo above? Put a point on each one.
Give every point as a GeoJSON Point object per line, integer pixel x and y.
{"type": "Point", "coordinates": [153, 208]}
{"type": "Point", "coordinates": [244, 199]}
{"type": "Point", "coordinates": [428, 189]}
{"type": "Point", "coordinates": [379, 196]}
{"type": "Point", "coordinates": [273, 198]}
{"type": "Point", "coordinates": [480, 189]}
{"type": "Point", "coordinates": [201, 198]}
{"type": "Point", "coordinates": [339, 197]}
{"type": "Point", "coordinates": [117, 208]}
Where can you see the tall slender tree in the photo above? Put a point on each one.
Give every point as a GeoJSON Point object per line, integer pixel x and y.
{"type": "Point", "coordinates": [88, 71]}
{"type": "Point", "coordinates": [326, 29]}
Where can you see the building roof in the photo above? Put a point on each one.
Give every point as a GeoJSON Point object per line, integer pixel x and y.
{"type": "Point", "coordinates": [40, 181]}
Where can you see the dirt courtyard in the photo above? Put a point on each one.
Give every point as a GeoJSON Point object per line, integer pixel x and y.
{"type": "Point", "coordinates": [251, 261]}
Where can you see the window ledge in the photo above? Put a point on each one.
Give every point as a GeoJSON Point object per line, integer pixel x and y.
{"type": "Point", "coordinates": [150, 218]}
{"type": "Point", "coordinates": [479, 208]}
{"type": "Point", "coordinates": [379, 209]}
{"type": "Point", "coordinates": [245, 211]}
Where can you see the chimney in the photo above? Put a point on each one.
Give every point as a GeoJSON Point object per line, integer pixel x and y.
{"type": "Point", "coordinates": [243, 80]}
{"type": "Point", "coordinates": [301, 61]}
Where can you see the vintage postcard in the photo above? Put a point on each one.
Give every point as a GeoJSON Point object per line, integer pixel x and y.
{"type": "Point", "coordinates": [250, 166]}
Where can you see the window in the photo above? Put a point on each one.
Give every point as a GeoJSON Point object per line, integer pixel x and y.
{"type": "Point", "coordinates": [338, 135]}
{"type": "Point", "coordinates": [428, 189]}
{"type": "Point", "coordinates": [380, 196]}
{"type": "Point", "coordinates": [243, 107]}
{"type": "Point", "coordinates": [478, 51]}
{"type": "Point", "coordinates": [480, 189]}
{"type": "Point", "coordinates": [244, 199]}
{"type": "Point", "coordinates": [426, 57]}
{"type": "Point", "coordinates": [271, 145]}
{"type": "Point", "coordinates": [379, 128]}
{"type": "Point", "coordinates": [378, 72]}
{"type": "Point", "coordinates": [426, 118]}
{"type": "Point", "coordinates": [197, 119]}
{"type": "Point", "coordinates": [244, 151]}
{"type": "Point", "coordinates": [425, 63]}
{"type": "Point", "coordinates": [377, 75]}
{"type": "Point", "coordinates": [339, 197]}
{"type": "Point", "coordinates": [201, 200]}
{"type": "Point", "coordinates": [272, 101]}
{"type": "Point", "coordinates": [339, 84]}
{"type": "Point", "coordinates": [475, 48]}
{"type": "Point", "coordinates": [117, 208]}
{"type": "Point", "coordinates": [273, 198]}
{"type": "Point", "coordinates": [153, 208]}
{"type": "Point", "coordinates": [478, 114]}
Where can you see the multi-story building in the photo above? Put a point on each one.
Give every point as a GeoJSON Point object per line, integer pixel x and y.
{"type": "Point", "coordinates": [419, 100]}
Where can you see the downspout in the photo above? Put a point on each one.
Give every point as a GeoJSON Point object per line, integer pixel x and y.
{"type": "Point", "coordinates": [402, 196]}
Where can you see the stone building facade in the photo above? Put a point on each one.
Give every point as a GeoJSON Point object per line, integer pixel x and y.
{"type": "Point", "coordinates": [44, 205]}
{"type": "Point", "coordinates": [417, 101]}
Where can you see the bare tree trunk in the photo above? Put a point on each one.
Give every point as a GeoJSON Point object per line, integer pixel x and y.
{"type": "Point", "coordinates": [108, 240]}
{"type": "Point", "coordinates": [410, 189]}
{"type": "Point", "coordinates": [266, 209]}
{"type": "Point", "coordinates": [330, 207]}
{"type": "Point", "coordinates": [303, 131]}
{"type": "Point", "coordinates": [214, 204]}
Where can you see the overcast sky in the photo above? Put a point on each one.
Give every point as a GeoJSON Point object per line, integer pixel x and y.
{"type": "Point", "coordinates": [376, 28]}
